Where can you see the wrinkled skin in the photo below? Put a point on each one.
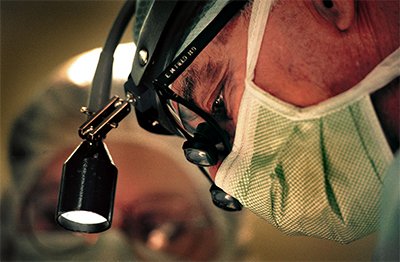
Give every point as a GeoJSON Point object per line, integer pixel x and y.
{"type": "Point", "coordinates": [310, 52]}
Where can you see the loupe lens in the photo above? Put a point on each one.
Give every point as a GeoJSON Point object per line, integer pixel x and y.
{"type": "Point", "coordinates": [223, 200]}
{"type": "Point", "coordinates": [200, 153]}
{"type": "Point", "coordinates": [184, 117]}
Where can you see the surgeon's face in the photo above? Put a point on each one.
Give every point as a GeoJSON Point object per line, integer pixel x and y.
{"type": "Point", "coordinates": [311, 51]}
{"type": "Point", "coordinates": [156, 205]}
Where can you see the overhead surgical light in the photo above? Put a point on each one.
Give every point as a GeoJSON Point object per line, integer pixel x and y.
{"type": "Point", "coordinates": [82, 68]}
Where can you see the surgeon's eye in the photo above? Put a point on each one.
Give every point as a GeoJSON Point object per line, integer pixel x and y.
{"type": "Point", "coordinates": [218, 110]}
{"type": "Point", "coordinates": [218, 107]}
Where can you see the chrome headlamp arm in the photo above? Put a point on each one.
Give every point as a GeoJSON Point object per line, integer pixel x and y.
{"type": "Point", "coordinates": [107, 118]}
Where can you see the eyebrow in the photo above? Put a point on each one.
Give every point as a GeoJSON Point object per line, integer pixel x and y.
{"type": "Point", "coordinates": [188, 85]}
{"type": "Point", "coordinates": [194, 74]}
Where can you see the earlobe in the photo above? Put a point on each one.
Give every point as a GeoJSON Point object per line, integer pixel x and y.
{"type": "Point", "coordinates": [341, 13]}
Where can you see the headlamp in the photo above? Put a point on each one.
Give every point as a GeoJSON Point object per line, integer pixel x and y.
{"type": "Point", "coordinates": [89, 178]}
{"type": "Point", "coordinates": [86, 197]}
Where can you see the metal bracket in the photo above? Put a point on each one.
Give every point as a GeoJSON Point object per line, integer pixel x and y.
{"type": "Point", "coordinates": [107, 118]}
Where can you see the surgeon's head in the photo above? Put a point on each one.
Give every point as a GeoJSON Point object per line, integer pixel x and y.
{"type": "Point", "coordinates": [306, 93]}
{"type": "Point", "coordinates": [162, 209]}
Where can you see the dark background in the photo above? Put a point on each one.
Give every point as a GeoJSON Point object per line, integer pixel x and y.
{"type": "Point", "coordinates": [37, 37]}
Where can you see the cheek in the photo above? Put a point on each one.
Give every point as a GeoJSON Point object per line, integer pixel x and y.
{"type": "Point", "coordinates": [236, 47]}
{"type": "Point", "coordinates": [236, 85]}
{"type": "Point", "coordinates": [291, 47]}
{"type": "Point", "coordinates": [296, 58]}
{"type": "Point", "coordinates": [233, 102]}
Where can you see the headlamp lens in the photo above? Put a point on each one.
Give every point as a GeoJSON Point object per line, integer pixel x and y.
{"type": "Point", "coordinates": [84, 217]}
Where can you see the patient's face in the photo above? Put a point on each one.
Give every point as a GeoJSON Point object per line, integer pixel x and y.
{"type": "Point", "coordinates": [156, 204]}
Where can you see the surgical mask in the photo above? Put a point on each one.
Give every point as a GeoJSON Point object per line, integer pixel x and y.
{"type": "Point", "coordinates": [314, 171]}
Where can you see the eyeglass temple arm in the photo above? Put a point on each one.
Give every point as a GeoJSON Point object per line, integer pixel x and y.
{"type": "Point", "coordinates": [205, 173]}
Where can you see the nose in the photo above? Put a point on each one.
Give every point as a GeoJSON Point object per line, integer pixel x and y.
{"type": "Point", "coordinates": [90, 239]}
{"type": "Point", "coordinates": [160, 237]}
{"type": "Point", "coordinates": [212, 170]}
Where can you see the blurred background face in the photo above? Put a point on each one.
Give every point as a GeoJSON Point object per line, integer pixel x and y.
{"type": "Point", "coordinates": [156, 204]}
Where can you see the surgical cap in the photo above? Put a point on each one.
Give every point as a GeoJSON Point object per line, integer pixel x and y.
{"type": "Point", "coordinates": [209, 11]}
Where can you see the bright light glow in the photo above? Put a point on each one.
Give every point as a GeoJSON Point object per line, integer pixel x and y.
{"type": "Point", "coordinates": [82, 69]}
{"type": "Point", "coordinates": [84, 217]}
{"type": "Point", "coordinates": [160, 237]}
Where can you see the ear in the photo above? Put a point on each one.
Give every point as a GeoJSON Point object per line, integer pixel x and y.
{"type": "Point", "coordinates": [339, 12]}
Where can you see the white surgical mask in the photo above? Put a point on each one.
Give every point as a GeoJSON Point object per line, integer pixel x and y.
{"type": "Point", "coordinates": [314, 171]}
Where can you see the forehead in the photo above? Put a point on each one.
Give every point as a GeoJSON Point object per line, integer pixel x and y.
{"type": "Point", "coordinates": [217, 55]}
